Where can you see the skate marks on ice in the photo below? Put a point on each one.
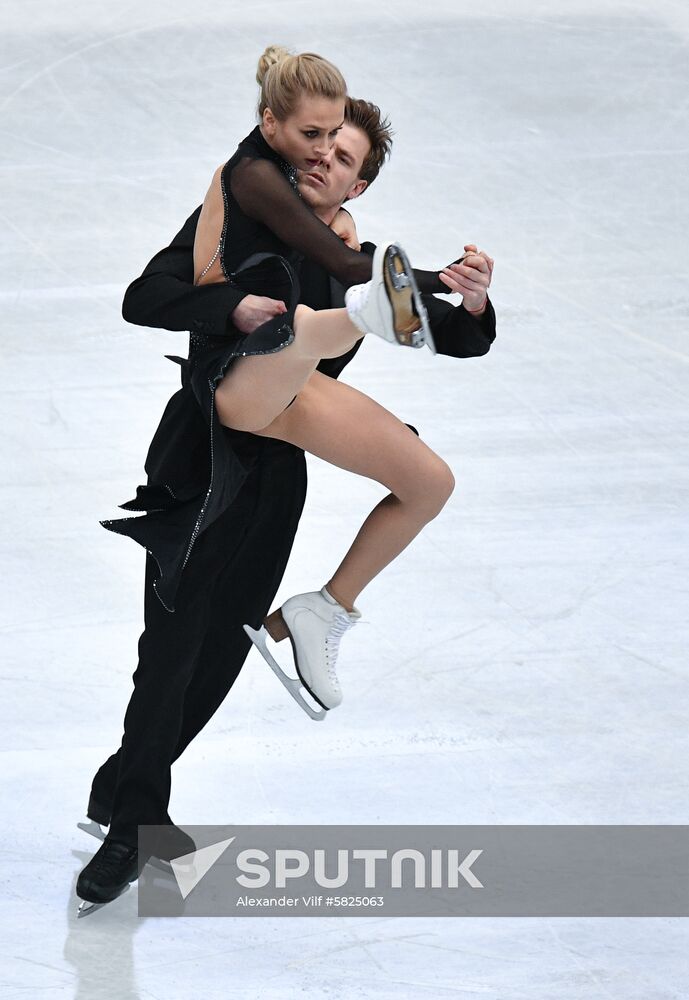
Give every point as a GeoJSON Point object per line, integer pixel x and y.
{"type": "Point", "coordinates": [293, 684]}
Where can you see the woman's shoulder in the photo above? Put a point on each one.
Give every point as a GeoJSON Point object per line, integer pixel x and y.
{"type": "Point", "coordinates": [257, 163]}
{"type": "Point", "coordinates": [252, 147]}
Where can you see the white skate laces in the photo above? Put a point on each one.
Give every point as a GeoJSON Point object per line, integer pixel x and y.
{"type": "Point", "coordinates": [341, 622]}
{"type": "Point", "coordinates": [356, 298]}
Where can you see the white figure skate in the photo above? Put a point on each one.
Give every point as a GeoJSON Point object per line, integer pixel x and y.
{"type": "Point", "coordinates": [390, 304]}
{"type": "Point", "coordinates": [314, 623]}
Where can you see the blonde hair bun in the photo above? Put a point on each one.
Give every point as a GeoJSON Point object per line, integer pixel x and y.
{"type": "Point", "coordinates": [285, 77]}
{"type": "Point", "coordinates": [273, 54]}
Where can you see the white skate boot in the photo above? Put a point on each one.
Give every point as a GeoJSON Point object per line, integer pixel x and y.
{"type": "Point", "coordinates": [390, 304]}
{"type": "Point", "coordinates": [314, 623]}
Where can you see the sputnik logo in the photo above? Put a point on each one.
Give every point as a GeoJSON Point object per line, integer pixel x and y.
{"type": "Point", "coordinates": [189, 869]}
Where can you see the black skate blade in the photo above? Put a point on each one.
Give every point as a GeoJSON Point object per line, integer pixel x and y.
{"type": "Point", "coordinates": [292, 684]}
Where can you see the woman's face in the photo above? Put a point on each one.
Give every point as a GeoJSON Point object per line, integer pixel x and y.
{"type": "Point", "coordinates": [307, 135]}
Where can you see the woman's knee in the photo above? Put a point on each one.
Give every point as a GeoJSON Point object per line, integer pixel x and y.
{"type": "Point", "coordinates": [433, 486]}
{"type": "Point", "coordinates": [443, 483]}
{"type": "Point", "coordinates": [305, 331]}
{"type": "Point", "coordinates": [302, 313]}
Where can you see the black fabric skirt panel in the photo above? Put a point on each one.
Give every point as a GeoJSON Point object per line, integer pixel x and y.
{"type": "Point", "coordinates": [195, 466]}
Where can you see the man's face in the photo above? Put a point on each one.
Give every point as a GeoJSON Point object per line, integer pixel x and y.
{"type": "Point", "coordinates": [327, 185]}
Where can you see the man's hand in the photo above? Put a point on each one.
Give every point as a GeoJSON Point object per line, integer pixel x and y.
{"type": "Point", "coordinates": [471, 278]}
{"type": "Point", "coordinates": [343, 225]}
{"type": "Point", "coordinates": [254, 310]}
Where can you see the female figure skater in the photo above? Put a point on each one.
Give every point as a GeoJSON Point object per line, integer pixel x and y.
{"type": "Point", "coordinates": [251, 230]}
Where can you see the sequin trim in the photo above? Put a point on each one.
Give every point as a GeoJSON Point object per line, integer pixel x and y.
{"type": "Point", "coordinates": [220, 249]}
{"type": "Point", "coordinates": [225, 220]}
{"type": "Point", "coordinates": [197, 525]}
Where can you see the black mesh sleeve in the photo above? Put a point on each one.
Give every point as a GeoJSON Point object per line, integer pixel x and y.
{"type": "Point", "coordinates": [265, 194]}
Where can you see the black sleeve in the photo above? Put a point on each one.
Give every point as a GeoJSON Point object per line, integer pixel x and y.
{"type": "Point", "coordinates": [165, 297]}
{"type": "Point", "coordinates": [456, 332]}
{"type": "Point", "coordinates": [265, 194]}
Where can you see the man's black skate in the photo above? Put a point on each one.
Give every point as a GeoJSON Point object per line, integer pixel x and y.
{"type": "Point", "coordinates": [107, 875]}
{"type": "Point", "coordinates": [172, 843]}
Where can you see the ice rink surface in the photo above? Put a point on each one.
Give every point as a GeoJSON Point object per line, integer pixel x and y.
{"type": "Point", "coordinates": [525, 659]}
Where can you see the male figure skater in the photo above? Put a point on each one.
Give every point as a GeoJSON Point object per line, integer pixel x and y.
{"type": "Point", "coordinates": [189, 658]}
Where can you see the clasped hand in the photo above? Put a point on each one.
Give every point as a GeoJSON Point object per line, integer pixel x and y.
{"type": "Point", "coordinates": [471, 278]}
{"type": "Point", "coordinates": [254, 310]}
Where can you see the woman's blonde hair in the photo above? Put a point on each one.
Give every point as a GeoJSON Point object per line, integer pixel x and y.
{"type": "Point", "coordinates": [285, 77]}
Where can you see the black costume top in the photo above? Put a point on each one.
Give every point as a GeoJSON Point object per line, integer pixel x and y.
{"type": "Point", "coordinates": [189, 484]}
{"type": "Point", "coordinates": [259, 189]}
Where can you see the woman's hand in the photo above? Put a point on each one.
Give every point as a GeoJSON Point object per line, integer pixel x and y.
{"type": "Point", "coordinates": [343, 225]}
{"type": "Point", "coordinates": [471, 278]}
{"type": "Point", "coordinates": [254, 310]}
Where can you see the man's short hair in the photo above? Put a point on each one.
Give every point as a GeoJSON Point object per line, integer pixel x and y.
{"type": "Point", "coordinates": [367, 117]}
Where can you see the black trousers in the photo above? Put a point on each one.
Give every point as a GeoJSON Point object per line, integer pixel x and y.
{"type": "Point", "coordinates": [189, 659]}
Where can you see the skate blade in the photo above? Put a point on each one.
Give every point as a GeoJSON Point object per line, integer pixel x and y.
{"type": "Point", "coordinates": [410, 315]}
{"type": "Point", "coordinates": [293, 685]}
{"type": "Point", "coordinates": [95, 830]}
{"type": "Point", "coordinates": [85, 908]}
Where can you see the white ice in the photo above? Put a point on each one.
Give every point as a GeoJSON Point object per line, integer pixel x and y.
{"type": "Point", "coordinates": [525, 659]}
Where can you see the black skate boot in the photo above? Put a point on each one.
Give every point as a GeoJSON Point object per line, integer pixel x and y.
{"type": "Point", "coordinates": [107, 875]}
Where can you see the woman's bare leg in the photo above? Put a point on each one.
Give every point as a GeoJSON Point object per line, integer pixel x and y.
{"type": "Point", "coordinates": [338, 423]}
{"type": "Point", "coordinates": [257, 388]}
